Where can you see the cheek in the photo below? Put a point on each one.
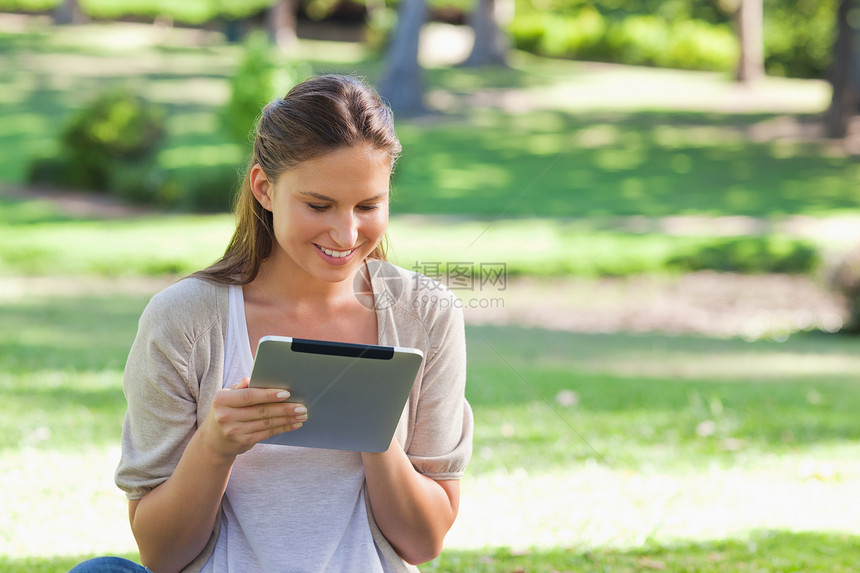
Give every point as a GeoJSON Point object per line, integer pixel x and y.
{"type": "Point", "coordinates": [377, 224]}
{"type": "Point", "coordinates": [299, 226]}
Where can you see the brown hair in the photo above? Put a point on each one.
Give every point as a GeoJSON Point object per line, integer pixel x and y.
{"type": "Point", "coordinates": [318, 116]}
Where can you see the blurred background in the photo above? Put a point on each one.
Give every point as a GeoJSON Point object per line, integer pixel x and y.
{"type": "Point", "coordinates": [650, 211]}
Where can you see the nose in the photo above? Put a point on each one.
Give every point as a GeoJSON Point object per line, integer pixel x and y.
{"type": "Point", "coordinates": [344, 229]}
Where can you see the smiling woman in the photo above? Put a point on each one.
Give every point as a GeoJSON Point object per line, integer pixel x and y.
{"type": "Point", "coordinates": [307, 260]}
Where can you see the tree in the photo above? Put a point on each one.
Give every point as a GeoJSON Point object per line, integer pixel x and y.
{"type": "Point", "coordinates": [281, 23]}
{"type": "Point", "coordinates": [842, 75]}
{"type": "Point", "coordinates": [68, 12]}
{"type": "Point", "coordinates": [749, 20]}
{"type": "Point", "coordinates": [402, 84]}
{"type": "Point", "coordinates": [491, 43]}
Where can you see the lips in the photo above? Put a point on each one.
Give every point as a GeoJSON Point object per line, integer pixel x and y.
{"type": "Point", "coordinates": [335, 258]}
{"type": "Point", "coordinates": [336, 254]}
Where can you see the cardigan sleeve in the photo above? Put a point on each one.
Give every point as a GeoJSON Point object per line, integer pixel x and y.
{"type": "Point", "coordinates": [162, 386]}
{"type": "Point", "coordinates": [440, 444]}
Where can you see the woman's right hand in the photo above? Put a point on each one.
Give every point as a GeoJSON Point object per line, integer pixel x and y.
{"type": "Point", "coordinates": [241, 416]}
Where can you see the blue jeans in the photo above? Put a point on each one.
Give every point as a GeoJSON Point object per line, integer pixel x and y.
{"type": "Point", "coordinates": [109, 565]}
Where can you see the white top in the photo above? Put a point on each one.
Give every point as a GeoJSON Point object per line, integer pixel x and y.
{"type": "Point", "coordinates": [289, 508]}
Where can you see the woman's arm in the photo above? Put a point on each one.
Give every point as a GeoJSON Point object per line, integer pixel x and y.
{"type": "Point", "coordinates": [173, 522]}
{"type": "Point", "coordinates": [413, 511]}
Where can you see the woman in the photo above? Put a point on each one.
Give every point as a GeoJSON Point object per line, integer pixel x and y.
{"type": "Point", "coordinates": [307, 260]}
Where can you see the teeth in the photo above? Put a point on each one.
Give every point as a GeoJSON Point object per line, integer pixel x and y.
{"type": "Point", "coordinates": [335, 254]}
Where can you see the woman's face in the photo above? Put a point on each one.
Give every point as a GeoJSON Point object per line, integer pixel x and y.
{"type": "Point", "coordinates": [330, 212]}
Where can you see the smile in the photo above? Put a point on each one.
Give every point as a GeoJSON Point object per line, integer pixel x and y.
{"type": "Point", "coordinates": [336, 254]}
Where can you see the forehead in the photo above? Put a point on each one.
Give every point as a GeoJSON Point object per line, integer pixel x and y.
{"type": "Point", "coordinates": [351, 170]}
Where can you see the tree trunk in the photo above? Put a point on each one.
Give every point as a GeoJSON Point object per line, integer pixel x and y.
{"type": "Point", "coordinates": [844, 102]}
{"type": "Point", "coordinates": [281, 23]}
{"type": "Point", "coordinates": [749, 18]}
{"type": "Point", "coordinates": [491, 43]}
{"type": "Point", "coordinates": [402, 84]}
{"type": "Point", "coordinates": [68, 12]}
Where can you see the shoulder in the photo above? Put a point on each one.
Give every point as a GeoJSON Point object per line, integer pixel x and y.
{"type": "Point", "coordinates": [414, 298]}
{"type": "Point", "coordinates": [192, 304]}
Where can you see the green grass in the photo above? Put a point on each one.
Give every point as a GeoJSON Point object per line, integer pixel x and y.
{"type": "Point", "coordinates": [764, 551]}
{"type": "Point", "coordinates": [36, 238]}
{"type": "Point", "coordinates": [592, 452]}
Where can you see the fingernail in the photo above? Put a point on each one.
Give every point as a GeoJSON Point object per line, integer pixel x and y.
{"type": "Point", "coordinates": [297, 425]}
{"type": "Point", "coordinates": [300, 410]}
{"type": "Point", "coordinates": [283, 394]}
{"type": "Point", "coordinates": [302, 418]}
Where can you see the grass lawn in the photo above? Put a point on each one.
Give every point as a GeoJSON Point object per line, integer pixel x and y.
{"type": "Point", "coordinates": [592, 452]}
{"type": "Point", "coordinates": [36, 238]}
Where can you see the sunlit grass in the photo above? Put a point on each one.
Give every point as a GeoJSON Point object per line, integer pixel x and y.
{"type": "Point", "coordinates": [42, 240]}
{"type": "Point", "coordinates": [606, 449]}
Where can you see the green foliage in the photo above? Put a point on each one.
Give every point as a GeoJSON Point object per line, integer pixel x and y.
{"type": "Point", "coordinates": [646, 39]}
{"type": "Point", "coordinates": [380, 28]}
{"type": "Point", "coordinates": [116, 124]}
{"type": "Point", "coordinates": [207, 189]}
{"type": "Point", "coordinates": [115, 127]}
{"type": "Point", "coordinates": [798, 34]}
{"type": "Point", "coordinates": [260, 77]}
{"type": "Point", "coordinates": [143, 182]}
{"type": "Point", "coordinates": [768, 254]}
{"type": "Point", "coordinates": [28, 5]}
{"type": "Point", "coordinates": [190, 11]}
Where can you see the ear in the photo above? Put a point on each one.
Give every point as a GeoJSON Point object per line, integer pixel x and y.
{"type": "Point", "coordinates": [261, 187]}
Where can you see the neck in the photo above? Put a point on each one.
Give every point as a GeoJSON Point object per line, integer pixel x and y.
{"type": "Point", "coordinates": [285, 282]}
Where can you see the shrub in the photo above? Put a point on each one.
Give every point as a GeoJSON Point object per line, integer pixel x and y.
{"type": "Point", "coordinates": [798, 34]}
{"type": "Point", "coordinates": [749, 255]}
{"type": "Point", "coordinates": [52, 171]}
{"type": "Point", "coordinates": [208, 189]}
{"type": "Point", "coordinates": [638, 40]}
{"type": "Point", "coordinates": [695, 44]}
{"type": "Point", "coordinates": [527, 31]}
{"type": "Point", "coordinates": [260, 77]}
{"type": "Point", "coordinates": [143, 182]}
{"type": "Point", "coordinates": [380, 28]}
{"type": "Point", "coordinates": [116, 126]}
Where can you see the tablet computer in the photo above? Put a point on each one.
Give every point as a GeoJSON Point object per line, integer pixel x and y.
{"type": "Point", "coordinates": [355, 393]}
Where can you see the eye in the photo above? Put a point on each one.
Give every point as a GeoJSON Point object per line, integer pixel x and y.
{"type": "Point", "coordinates": [368, 207]}
{"type": "Point", "coordinates": [318, 207]}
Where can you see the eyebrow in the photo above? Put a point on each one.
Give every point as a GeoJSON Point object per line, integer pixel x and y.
{"type": "Point", "coordinates": [322, 197]}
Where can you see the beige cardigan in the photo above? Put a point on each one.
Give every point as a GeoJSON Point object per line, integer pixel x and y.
{"type": "Point", "coordinates": [176, 365]}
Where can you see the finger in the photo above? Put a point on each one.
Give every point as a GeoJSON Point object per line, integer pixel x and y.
{"type": "Point", "coordinates": [243, 397]}
{"type": "Point", "coordinates": [272, 411]}
{"type": "Point", "coordinates": [275, 430]}
{"type": "Point", "coordinates": [279, 424]}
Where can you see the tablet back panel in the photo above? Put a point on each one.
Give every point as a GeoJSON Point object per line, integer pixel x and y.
{"type": "Point", "coordinates": [354, 393]}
